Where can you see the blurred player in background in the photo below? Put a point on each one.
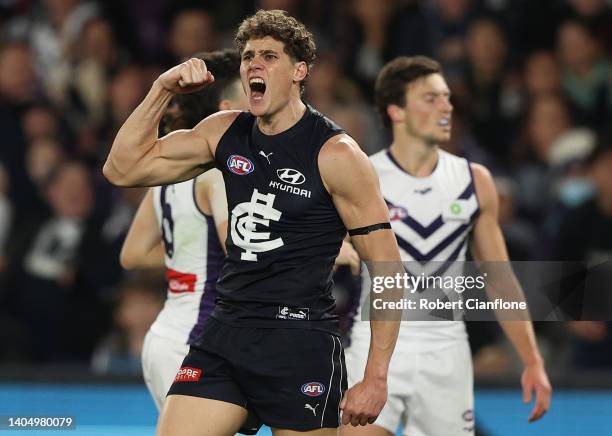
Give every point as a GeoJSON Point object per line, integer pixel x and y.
{"type": "Point", "coordinates": [437, 203]}
{"type": "Point", "coordinates": [190, 218]}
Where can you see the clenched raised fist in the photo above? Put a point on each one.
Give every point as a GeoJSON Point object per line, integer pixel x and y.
{"type": "Point", "coordinates": [190, 76]}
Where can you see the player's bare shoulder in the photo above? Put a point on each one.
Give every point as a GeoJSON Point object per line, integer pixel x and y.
{"type": "Point", "coordinates": [485, 186]}
{"type": "Point", "coordinates": [343, 163]}
{"type": "Point", "coordinates": [212, 128]}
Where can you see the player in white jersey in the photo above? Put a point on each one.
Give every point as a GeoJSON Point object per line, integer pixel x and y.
{"type": "Point", "coordinates": [437, 202]}
{"type": "Point", "coordinates": [180, 226]}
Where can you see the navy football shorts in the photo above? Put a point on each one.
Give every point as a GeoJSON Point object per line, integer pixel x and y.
{"type": "Point", "coordinates": [286, 378]}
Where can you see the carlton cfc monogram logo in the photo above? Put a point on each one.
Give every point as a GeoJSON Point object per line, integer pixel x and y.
{"type": "Point", "coordinates": [240, 165]}
{"type": "Point", "coordinates": [245, 219]}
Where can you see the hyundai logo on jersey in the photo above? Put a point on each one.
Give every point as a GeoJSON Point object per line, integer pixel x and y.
{"type": "Point", "coordinates": [289, 175]}
{"type": "Point", "coordinates": [313, 389]}
{"type": "Point", "coordinates": [240, 165]}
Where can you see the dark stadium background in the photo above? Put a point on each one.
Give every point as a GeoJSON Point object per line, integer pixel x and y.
{"type": "Point", "coordinates": [532, 90]}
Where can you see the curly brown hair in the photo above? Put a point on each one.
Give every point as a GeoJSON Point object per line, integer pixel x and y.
{"type": "Point", "coordinates": [299, 43]}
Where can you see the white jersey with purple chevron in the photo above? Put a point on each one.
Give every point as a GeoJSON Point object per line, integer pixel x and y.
{"type": "Point", "coordinates": [431, 217]}
{"type": "Point", "coordinates": [193, 261]}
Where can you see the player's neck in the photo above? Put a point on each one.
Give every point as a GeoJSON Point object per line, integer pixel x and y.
{"type": "Point", "coordinates": [283, 119]}
{"type": "Point", "coordinates": [415, 157]}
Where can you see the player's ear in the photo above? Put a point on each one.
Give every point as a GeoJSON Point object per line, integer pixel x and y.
{"type": "Point", "coordinates": [396, 113]}
{"type": "Point", "coordinates": [225, 105]}
{"type": "Point", "coordinates": [301, 71]}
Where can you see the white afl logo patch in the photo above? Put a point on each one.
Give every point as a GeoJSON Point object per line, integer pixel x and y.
{"type": "Point", "coordinates": [240, 165]}
{"type": "Point", "coordinates": [289, 175]}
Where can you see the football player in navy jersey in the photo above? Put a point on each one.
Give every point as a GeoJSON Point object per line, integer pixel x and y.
{"type": "Point", "coordinates": [295, 183]}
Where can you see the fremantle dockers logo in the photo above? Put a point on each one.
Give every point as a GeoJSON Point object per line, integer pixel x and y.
{"type": "Point", "coordinates": [289, 175]}
{"type": "Point", "coordinates": [245, 219]}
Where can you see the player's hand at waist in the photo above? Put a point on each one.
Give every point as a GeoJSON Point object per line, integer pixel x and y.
{"type": "Point", "coordinates": [534, 378]}
{"type": "Point", "coordinates": [190, 76]}
{"type": "Point", "coordinates": [363, 402]}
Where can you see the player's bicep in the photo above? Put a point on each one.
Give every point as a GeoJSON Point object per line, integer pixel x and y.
{"type": "Point", "coordinates": [183, 154]}
{"type": "Point", "coordinates": [353, 185]}
{"type": "Point", "coordinates": [487, 241]}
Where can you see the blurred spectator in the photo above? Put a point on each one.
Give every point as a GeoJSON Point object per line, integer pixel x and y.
{"type": "Point", "coordinates": [17, 79]}
{"type": "Point", "coordinates": [492, 95]}
{"type": "Point", "coordinates": [541, 75]}
{"type": "Point", "coordinates": [40, 122]}
{"type": "Point", "coordinates": [367, 40]}
{"type": "Point", "coordinates": [140, 300]}
{"type": "Point", "coordinates": [409, 31]}
{"type": "Point", "coordinates": [18, 88]}
{"type": "Point", "coordinates": [585, 75]}
{"type": "Point", "coordinates": [53, 28]}
{"type": "Point", "coordinates": [45, 257]}
{"type": "Point", "coordinates": [586, 235]}
{"type": "Point", "coordinates": [192, 31]}
{"type": "Point", "coordinates": [448, 25]}
{"type": "Point", "coordinates": [81, 91]}
{"type": "Point", "coordinates": [597, 15]}
{"type": "Point", "coordinates": [127, 89]}
{"type": "Point", "coordinates": [328, 87]}
{"type": "Point", "coordinates": [546, 121]}
{"type": "Point", "coordinates": [43, 157]}
{"type": "Point", "coordinates": [521, 236]}
{"type": "Point", "coordinates": [339, 98]}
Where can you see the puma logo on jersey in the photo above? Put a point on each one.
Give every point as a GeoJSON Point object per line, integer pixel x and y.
{"type": "Point", "coordinates": [313, 409]}
{"type": "Point", "coordinates": [246, 217]}
{"type": "Point", "coordinates": [267, 156]}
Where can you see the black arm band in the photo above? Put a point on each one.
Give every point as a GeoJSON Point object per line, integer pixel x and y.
{"type": "Point", "coordinates": [367, 229]}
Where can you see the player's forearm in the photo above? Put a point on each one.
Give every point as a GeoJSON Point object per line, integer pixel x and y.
{"type": "Point", "coordinates": [382, 343]}
{"type": "Point", "coordinates": [145, 258]}
{"type": "Point", "coordinates": [136, 137]}
{"type": "Point", "coordinates": [522, 337]}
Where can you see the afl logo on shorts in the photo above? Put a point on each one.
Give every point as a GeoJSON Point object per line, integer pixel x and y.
{"type": "Point", "coordinates": [397, 213]}
{"type": "Point", "coordinates": [313, 389]}
{"type": "Point", "coordinates": [240, 165]}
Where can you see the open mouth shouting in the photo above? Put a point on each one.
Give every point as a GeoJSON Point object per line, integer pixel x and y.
{"type": "Point", "coordinates": [258, 89]}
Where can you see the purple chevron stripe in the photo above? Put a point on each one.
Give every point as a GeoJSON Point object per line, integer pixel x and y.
{"type": "Point", "coordinates": [424, 231]}
{"type": "Point", "coordinates": [424, 258]}
{"type": "Point", "coordinates": [467, 193]}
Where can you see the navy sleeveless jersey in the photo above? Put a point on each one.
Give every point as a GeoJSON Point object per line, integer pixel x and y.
{"type": "Point", "coordinates": [284, 231]}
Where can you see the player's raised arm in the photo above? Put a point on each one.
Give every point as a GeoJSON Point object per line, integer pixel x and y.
{"type": "Point", "coordinates": [489, 246]}
{"type": "Point", "coordinates": [353, 184]}
{"type": "Point", "coordinates": [139, 158]}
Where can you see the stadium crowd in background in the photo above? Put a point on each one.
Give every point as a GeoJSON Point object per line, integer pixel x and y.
{"type": "Point", "coordinates": [532, 89]}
